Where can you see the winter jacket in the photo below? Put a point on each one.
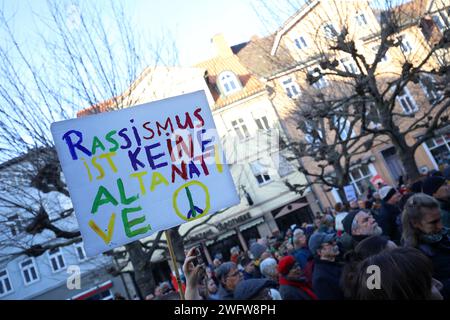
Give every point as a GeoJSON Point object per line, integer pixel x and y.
{"type": "Point", "coordinates": [225, 294]}
{"type": "Point", "coordinates": [439, 253]}
{"type": "Point", "coordinates": [326, 277]}
{"type": "Point", "coordinates": [388, 221]}
{"type": "Point", "coordinates": [445, 213]}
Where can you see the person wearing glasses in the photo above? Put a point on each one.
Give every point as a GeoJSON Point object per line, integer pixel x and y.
{"type": "Point", "coordinates": [293, 284]}
{"type": "Point", "coordinates": [327, 271]}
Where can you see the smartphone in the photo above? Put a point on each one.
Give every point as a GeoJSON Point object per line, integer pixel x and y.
{"type": "Point", "coordinates": [199, 258]}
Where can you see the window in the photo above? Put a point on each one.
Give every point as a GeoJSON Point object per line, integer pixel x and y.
{"type": "Point", "coordinates": [360, 178]}
{"type": "Point", "coordinates": [405, 45]}
{"type": "Point", "coordinates": [440, 23]}
{"type": "Point", "coordinates": [330, 31]}
{"type": "Point", "coordinates": [291, 88]}
{"type": "Point", "coordinates": [342, 127]}
{"type": "Point", "coordinates": [439, 148]}
{"type": "Point", "coordinates": [383, 58]}
{"type": "Point", "coordinates": [428, 85]}
{"type": "Point", "coordinates": [373, 116]}
{"type": "Point", "coordinates": [300, 42]}
{"type": "Point", "coordinates": [361, 19]}
{"type": "Point", "coordinates": [29, 271]}
{"type": "Point", "coordinates": [104, 295]}
{"type": "Point", "coordinates": [407, 102]}
{"type": "Point", "coordinates": [319, 80]}
{"type": "Point", "coordinates": [312, 134]}
{"type": "Point", "coordinates": [79, 249]}
{"type": "Point", "coordinates": [283, 166]}
{"type": "Point", "coordinates": [349, 65]}
{"type": "Point", "coordinates": [260, 171]}
{"type": "Point", "coordinates": [240, 128]}
{"type": "Point", "coordinates": [229, 82]}
{"type": "Point", "coordinates": [14, 225]}
{"type": "Point", "coordinates": [5, 283]}
{"type": "Point", "coordinates": [262, 123]}
{"type": "Point", "coordinates": [56, 259]}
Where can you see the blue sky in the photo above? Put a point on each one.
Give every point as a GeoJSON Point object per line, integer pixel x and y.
{"type": "Point", "coordinates": [191, 23]}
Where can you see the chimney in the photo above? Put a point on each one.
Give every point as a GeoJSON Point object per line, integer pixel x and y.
{"type": "Point", "coordinates": [221, 45]}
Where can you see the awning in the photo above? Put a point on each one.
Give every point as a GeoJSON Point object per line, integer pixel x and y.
{"type": "Point", "coordinates": [251, 224]}
{"type": "Point", "coordinates": [89, 293]}
{"type": "Point", "coordinates": [294, 207]}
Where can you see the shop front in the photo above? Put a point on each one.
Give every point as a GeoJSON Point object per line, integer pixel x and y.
{"type": "Point", "coordinates": [297, 212]}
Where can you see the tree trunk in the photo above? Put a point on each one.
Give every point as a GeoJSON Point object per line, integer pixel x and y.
{"type": "Point", "coordinates": [142, 269]}
{"type": "Point", "coordinates": [409, 163]}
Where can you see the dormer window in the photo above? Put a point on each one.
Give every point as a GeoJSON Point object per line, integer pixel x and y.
{"type": "Point", "coordinates": [229, 83]}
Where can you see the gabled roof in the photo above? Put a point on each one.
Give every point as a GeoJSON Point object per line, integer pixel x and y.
{"type": "Point", "coordinates": [215, 66]}
{"type": "Point", "coordinates": [291, 22]}
{"type": "Point", "coordinates": [257, 58]}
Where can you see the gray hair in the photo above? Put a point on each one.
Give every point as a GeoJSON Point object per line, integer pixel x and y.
{"type": "Point", "coordinates": [222, 271]}
{"type": "Point", "coordinates": [268, 267]}
{"type": "Point", "coordinates": [413, 212]}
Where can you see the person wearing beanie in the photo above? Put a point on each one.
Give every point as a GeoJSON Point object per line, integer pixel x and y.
{"type": "Point", "coordinates": [438, 188]}
{"type": "Point", "coordinates": [358, 225]}
{"type": "Point", "coordinates": [389, 216]}
{"type": "Point", "coordinates": [292, 282]}
{"type": "Point", "coordinates": [327, 271]}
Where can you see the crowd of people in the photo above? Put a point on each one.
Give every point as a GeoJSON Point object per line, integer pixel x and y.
{"type": "Point", "coordinates": [394, 244]}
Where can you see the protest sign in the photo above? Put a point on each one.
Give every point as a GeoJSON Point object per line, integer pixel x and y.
{"type": "Point", "coordinates": [143, 169]}
{"type": "Point", "coordinates": [377, 179]}
{"type": "Point", "coordinates": [350, 193]}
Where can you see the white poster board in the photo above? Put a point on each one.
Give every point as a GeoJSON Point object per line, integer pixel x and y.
{"type": "Point", "coordinates": [143, 169]}
{"type": "Point", "coordinates": [350, 193]}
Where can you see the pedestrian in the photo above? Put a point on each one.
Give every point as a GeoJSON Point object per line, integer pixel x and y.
{"type": "Point", "coordinates": [366, 248]}
{"type": "Point", "coordinates": [301, 251]}
{"type": "Point", "coordinates": [327, 271]}
{"type": "Point", "coordinates": [438, 188]}
{"type": "Point", "coordinates": [358, 225]}
{"type": "Point", "coordinates": [228, 276]}
{"type": "Point", "coordinates": [389, 216]}
{"type": "Point", "coordinates": [293, 285]}
{"type": "Point", "coordinates": [423, 229]}
{"type": "Point", "coordinates": [405, 274]}
{"type": "Point", "coordinates": [249, 269]}
{"type": "Point", "coordinates": [269, 269]}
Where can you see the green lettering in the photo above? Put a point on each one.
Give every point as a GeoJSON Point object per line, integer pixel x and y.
{"type": "Point", "coordinates": [103, 197]}
{"type": "Point", "coordinates": [129, 224]}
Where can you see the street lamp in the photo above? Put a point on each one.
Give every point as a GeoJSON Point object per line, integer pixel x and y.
{"type": "Point", "coordinates": [247, 196]}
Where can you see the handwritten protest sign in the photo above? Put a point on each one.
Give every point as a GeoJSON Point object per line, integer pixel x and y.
{"type": "Point", "coordinates": [143, 169]}
{"type": "Point", "coordinates": [350, 193]}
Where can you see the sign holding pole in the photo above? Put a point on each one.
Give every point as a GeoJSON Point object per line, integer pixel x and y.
{"type": "Point", "coordinates": [139, 170]}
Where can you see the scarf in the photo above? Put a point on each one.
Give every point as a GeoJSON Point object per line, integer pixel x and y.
{"type": "Point", "coordinates": [300, 285]}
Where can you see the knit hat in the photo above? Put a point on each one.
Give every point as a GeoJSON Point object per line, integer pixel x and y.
{"type": "Point", "coordinates": [286, 264]}
{"type": "Point", "coordinates": [387, 192]}
{"type": "Point", "coordinates": [432, 184]}
{"type": "Point", "coordinates": [318, 238]}
{"type": "Point", "coordinates": [248, 289]}
{"type": "Point", "coordinates": [257, 250]}
{"type": "Point", "coordinates": [348, 220]}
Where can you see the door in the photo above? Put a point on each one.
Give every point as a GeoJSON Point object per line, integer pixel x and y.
{"type": "Point", "coordinates": [393, 163]}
